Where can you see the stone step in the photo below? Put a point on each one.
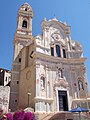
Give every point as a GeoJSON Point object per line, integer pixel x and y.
{"type": "Point", "coordinates": [55, 116]}
{"type": "Point", "coordinates": [61, 116]}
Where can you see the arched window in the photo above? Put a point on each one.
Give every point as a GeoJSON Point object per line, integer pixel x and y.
{"type": "Point", "coordinates": [58, 53]}
{"type": "Point", "coordinates": [64, 53]}
{"type": "Point", "coordinates": [25, 9]}
{"type": "Point", "coordinates": [80, 85]}
{"type": "Point", "coordinates": [24, 24]}
{"type": "Point", "coordinates": [52, 51]}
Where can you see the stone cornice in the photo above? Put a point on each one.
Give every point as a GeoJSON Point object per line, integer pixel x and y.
{"type": "Point", "coordinates": [74, 51]}
{"type": "Point", "coordinates": [52, 59]}
{"type": "Point", "coordinates": [42, 47]}
{"type": "Point", "coordinates": [63, 43]}
{"type": "Point", "coordinates": [23, 30]}
{"type": "Point", "coordinates": [43, 99]}
{"type": "Point", "coordinates": [25, 13]}
{"type": "Point", "coordinates": [24, 36]}
{"type": "Point", "coordinates": [21, 37]}
{"type": "Point", "coordinates": [81, 100]}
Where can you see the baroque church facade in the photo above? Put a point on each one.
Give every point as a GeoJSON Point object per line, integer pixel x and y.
{"type": "Point", "coordinates": [48, 71]}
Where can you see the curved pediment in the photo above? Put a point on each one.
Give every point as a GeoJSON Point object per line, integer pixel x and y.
{"type": "Point", "coordinates": [62, 82]}
{"type": "Point", "coordinates": [54, 23]}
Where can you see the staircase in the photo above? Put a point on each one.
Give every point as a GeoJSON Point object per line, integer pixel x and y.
{"type": "Point", "coordinates": [55, 116]}
{"type": "Point", "coordinates": [45, 116]}
{"type": "Point", "coordinates": [61, 116]}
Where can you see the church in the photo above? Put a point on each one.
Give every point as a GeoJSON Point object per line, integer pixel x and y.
{"type": "Point", "coordinates": [48, 70]}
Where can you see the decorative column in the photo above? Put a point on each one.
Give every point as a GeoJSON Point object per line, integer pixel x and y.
{"type": "Point", "coordinates": [19, 21]}
{"type": "Point", "coordinates": [46, 73]}
{"type": "Point", "coordinates": [30, 26]}
{"type": "Point", "coordinates": [70, 71]}
{"type": "Point", "coordinates": [52, 89]}
{"type": "Point", "coordinates": [38, 90]}
{"type": "Point", "coordinates": [44, 32]}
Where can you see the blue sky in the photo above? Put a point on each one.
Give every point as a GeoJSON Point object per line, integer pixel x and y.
{"type": "Point", "coordinates": [76, 13]}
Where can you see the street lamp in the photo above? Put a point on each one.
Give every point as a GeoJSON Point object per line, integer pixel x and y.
{"type": "Point", "coordinates": [28, 97]}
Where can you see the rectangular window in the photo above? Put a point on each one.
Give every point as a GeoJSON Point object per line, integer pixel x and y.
{"type": "Point", "coordinates": [52, 51]}
{"type": "Point", "coordinates": [19, 59]}
{"type": "Point", "coordinates": [17, 82]}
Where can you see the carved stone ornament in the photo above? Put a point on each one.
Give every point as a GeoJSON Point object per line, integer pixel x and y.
{"type": "Point", "coordinates": [42, 77]}
{"type": "Point", "coordinates": [62, 82]}
{"type": "Point", "coordinates": [86, 84]}
{"type": "Point", "coordinates": [56, 36]}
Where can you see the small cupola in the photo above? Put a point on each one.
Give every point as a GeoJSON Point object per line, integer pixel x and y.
{"type": "Point", "coordinates": [26, 8]}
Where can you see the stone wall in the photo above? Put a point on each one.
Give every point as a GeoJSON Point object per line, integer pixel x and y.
{"type": "Point", "coordinates": [4, 98]}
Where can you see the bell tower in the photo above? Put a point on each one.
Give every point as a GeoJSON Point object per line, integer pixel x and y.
{"type": "Point", "coordinates": [23, 33]}
{"type": "Point", "coordinates": [22, 37]}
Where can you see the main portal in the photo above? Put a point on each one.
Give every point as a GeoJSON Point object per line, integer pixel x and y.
{"type": "Point", "coordinates": [63, 101]}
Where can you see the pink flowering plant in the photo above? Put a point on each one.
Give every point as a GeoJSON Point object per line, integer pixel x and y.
{"type": "Point", "coordinates": [18, 115]}
{"type": "Point", "coordinates": [28, 116]}
{"type": "Point", "coordinates": [9, 116]}
{"type": "Point", "coordinates": [1, 114]}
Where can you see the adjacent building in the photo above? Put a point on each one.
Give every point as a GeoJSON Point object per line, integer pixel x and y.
{"type": "Point", "coordinates": [5, 79]}
{"type": "Point", "coordinates": [48, 71]}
